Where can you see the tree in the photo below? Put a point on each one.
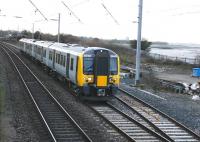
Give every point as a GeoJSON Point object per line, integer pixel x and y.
{"type": "Point", "coordinates": [26, 34]}
{"type": "Point", "coordinates": [144, 44]}
{"type": "Point", "coordinates": [37, 35]}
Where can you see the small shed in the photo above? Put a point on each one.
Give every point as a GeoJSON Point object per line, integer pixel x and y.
{"type": "Point", "coordinates": [196, 72]}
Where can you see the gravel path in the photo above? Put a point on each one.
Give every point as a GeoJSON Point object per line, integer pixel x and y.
{"type": "Point", "coordinates": [187, 78]}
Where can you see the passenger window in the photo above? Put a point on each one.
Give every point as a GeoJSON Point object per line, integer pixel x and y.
{"type": "Point", "coordinates": [44, 54]}
{"type": "Point", "coordinates": [50, 55]}
{"type": "Point", "coordinates": [58, 58]}
{"type": "Point", "coordinates": [64, 61]}
{"type": "Point", "coordinates": [72, 62]}
{"type": "Point", "coordinates": [39, 50]}
{"type": "Point", "coordinates": [61, 62]}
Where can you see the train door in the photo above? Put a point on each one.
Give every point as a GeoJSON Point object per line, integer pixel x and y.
{"type": "Point", "coordinates": [101, 68]}
{"type": "Point", "coordinates": [67, 65]}
{"type": "Point", "coordinates": [72, 68]}
{"type": "Point", "coordinates": [47, 56]}
{"type": "Point", "coordinates": [32, 50]}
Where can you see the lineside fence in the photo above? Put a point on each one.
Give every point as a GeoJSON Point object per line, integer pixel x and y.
{"type": "Point", "coordinates": [195, 61]}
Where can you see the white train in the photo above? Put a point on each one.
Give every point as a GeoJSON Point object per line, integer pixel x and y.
{"type": "Point", "coordinates": [91, 71]}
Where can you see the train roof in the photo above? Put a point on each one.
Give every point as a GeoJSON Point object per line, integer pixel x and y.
{"type": "Point", "coordinates": [64, 47]}
{"type": "Point", "coordinates": [31, 41]}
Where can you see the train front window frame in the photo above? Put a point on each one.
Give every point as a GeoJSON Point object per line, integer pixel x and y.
{"type": "Point", "coordinates": [88, 65]}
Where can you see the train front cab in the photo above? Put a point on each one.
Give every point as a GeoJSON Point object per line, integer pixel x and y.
{"type": "Point", "coordinates": [100, 73]}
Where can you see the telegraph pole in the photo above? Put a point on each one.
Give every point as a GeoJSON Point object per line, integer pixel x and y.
{"type": "Point", "coordinates": [58, 27]}
{"type": "Point", "coordinates": [138, 52]}
{"type": "Point", "coordinates": [33, 30]}
{"type": "Point", "coordinates": [58, 38]}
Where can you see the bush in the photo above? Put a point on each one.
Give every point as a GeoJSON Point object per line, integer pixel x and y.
{"type": "Point", "coordinates": [144, 44]}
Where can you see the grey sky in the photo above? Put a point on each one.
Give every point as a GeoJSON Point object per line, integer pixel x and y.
{"type": "Point", "coordinates": [163, 20]}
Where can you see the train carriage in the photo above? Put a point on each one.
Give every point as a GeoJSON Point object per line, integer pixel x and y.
{"type": "Point", "coordinates": [91, 71]}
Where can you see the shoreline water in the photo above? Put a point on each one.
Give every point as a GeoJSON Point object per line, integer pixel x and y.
{"type": "Point", "coordinates": [176, 50]}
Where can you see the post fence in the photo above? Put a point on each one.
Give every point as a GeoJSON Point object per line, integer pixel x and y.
{"type": "Point", "coordinates": [156, 56]}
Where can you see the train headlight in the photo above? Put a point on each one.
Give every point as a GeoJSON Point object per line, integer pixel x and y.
{"type": "Point", "coordinates": [89, 79]}
{"type": "Point", "coordinates": [112, 80]}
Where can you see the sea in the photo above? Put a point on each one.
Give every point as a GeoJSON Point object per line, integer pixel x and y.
{"type": "Point", "coordinates": [180, 50]}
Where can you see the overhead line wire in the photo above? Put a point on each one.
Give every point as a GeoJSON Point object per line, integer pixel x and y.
{"type": "Point", "coordinates": [110, 13]}
{"type": "Point", "coordinates": [71, 12]}
{"type": "Point", "coordinates": [38, 10]}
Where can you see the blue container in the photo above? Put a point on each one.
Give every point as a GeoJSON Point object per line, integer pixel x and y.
{"type": "Point", "coordinates": [196, 72]}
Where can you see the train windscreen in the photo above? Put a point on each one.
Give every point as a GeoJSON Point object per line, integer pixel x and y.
{"type": "Point", "coordinates": [88, 65]}
{"type": "Point", "coordinates": [113, 66]}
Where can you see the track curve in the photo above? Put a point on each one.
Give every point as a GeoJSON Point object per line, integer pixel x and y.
{"type": "Point", "coordinates": [60, 125]}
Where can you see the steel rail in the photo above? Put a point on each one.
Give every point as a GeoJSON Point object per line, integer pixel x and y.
{"type": "Point", "coordinates": [53, 98]}
{"type": "Point", "coordinates": [30, 94]}
{"type": "Point", "coordinates": [196, 136]}
{"type": "Point", "coordinates": [145, 119]}
{"type": "Point", "coordinates": [139, 125]}
{"type": "Point", "coordinates": [113, 125]}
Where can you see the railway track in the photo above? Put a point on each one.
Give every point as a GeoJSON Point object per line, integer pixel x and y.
{"type": "Point", "coordinates": [156, 120]}
{"type": "Point", "coordinates": [148, 123]}
{"type": "Point", "coordinates": [60, 125]}
{"type": "Point", "coordinates": [124, 124]}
